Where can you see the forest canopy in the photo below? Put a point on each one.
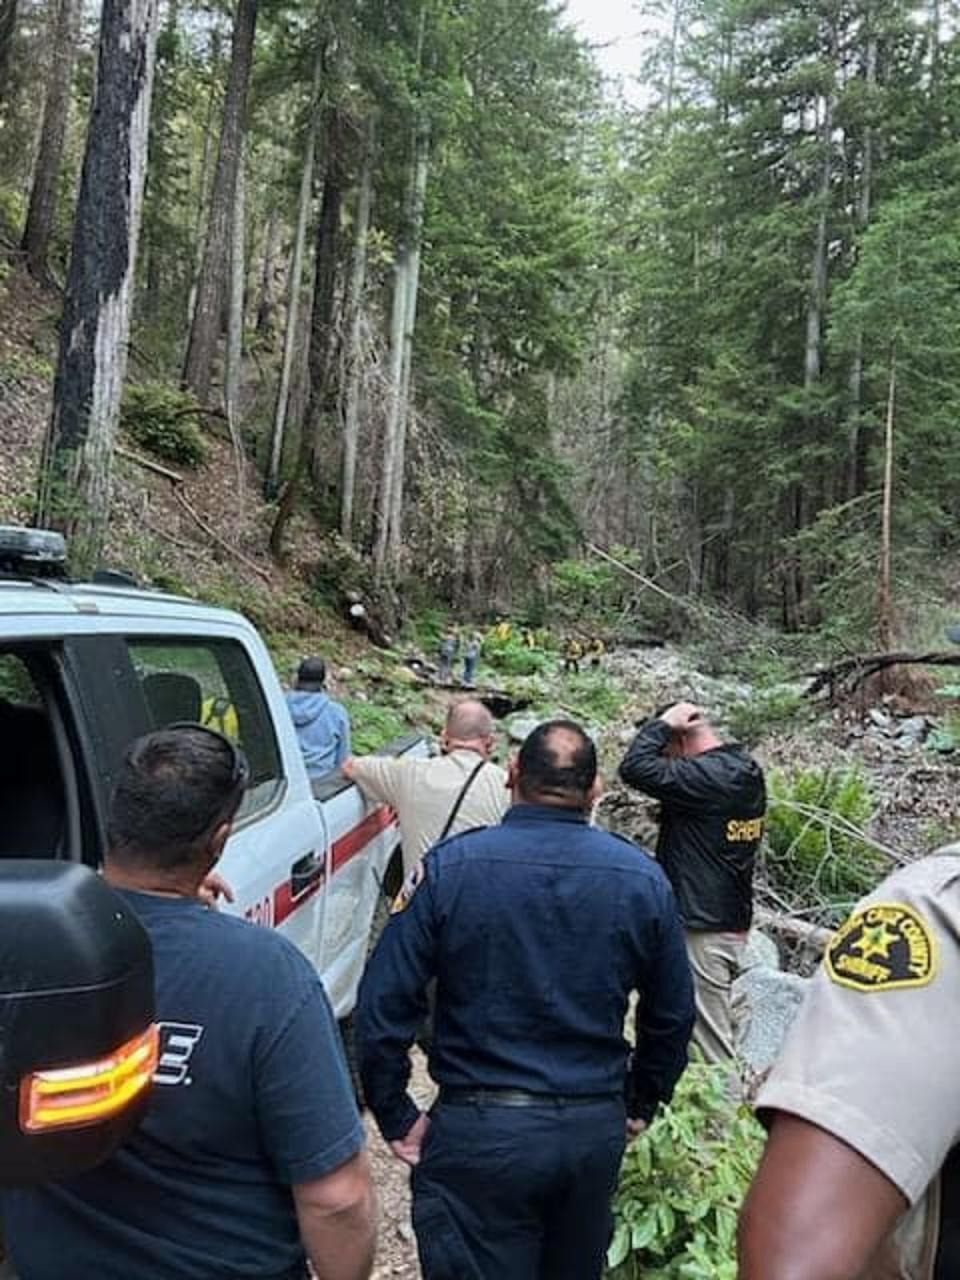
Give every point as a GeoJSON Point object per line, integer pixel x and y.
{"type": "Point", "coordinates": [463, 306]}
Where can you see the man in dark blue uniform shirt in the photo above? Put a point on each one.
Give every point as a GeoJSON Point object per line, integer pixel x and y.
{"type": "Point", "coordinates": [536, 932]}
{"type": "Point", "coordinates": [250, 1157]}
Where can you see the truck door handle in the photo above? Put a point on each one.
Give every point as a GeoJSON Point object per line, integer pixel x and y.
{"type": "Point", "coordinates": [305, 873]}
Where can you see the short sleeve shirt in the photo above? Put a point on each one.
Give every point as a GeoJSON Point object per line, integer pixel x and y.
{"type": "Point", "coordinates": [251, 1096]}
{"type": "Point", "coordinates": [423, 792]}
{"type": "Point", "coordinates": [873, 1054]}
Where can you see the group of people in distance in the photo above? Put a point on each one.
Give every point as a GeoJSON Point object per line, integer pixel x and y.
{"type": "Point", "coordinates": [520, 933]}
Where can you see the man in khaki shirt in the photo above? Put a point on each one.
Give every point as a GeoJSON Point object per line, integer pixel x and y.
{"type": "Point", "coordinates": [861, 1175]}
{"type": "Point", "coordinates": [424, 792]}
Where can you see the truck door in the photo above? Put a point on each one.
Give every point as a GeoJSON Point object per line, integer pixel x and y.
{"type": "Point", "coordinates": [275, 860]}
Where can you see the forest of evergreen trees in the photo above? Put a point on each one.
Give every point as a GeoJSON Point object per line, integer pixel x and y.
{"type": "Point", "coordinates": [469, 309]}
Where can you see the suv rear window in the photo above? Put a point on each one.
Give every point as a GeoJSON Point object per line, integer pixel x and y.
{"type": "Point", "coordinates": [213, 682]}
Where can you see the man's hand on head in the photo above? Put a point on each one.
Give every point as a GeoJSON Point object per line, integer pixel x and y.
{"type": "Point", "coordinates": [682, 717]}
{"type": "Point", "coordinates": [408, 1147]}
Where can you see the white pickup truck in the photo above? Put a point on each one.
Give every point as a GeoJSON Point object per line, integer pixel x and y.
{"type": "Point", "coordinates": [84, 668]}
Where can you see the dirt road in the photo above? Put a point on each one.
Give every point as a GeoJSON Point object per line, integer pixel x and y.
{"type": "Point", "coordinates": [397, 1249]}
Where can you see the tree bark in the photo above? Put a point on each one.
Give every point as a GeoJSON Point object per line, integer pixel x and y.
{"type": "Point", "coordinates": [322, 327]}
{"type": "Point", "coordinates": [421, 171]}
{"type": "Point", "coordinates": [75, 482]}
{"type": "Point", "coordinates": [885, 593]}
{"type": "Point", "coordinates": [205, 328]}
{"type": "Point", "coordinates": [294, 287]}
{"type": "Point", "coordinates": [266, 304]}
{"type": "Point", "coordinates": [46, 175]}
{"type": "Point", "coordinates": [352, 362]}
{"type": "Point", "coordinates": [402, 324]}
{"type": "Point", "coordinates": [232, 380]}
{"type": "Point", "coordinates": [860, 437]}
{"type": "Point", "coordinates": [8, 30]}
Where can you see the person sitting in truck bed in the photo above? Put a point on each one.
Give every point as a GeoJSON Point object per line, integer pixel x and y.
{"type": "Point", "coordinates": [455, 791]}
{"type": "Point", "coordinates": [322, 725]}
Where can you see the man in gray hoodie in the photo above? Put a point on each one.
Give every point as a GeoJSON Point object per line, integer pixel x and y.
{"type": "Point", "coordinates": [322, 725]}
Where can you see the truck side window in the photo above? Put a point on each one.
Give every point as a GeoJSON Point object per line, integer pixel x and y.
{"type": "Point", "coordinates": [33, 802]}
{"type": "Point", "coordinates": [212, 681]}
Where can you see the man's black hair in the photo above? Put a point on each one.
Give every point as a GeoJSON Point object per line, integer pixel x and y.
{"type": "Point", "coordinates": [175, 787]}
{"type": "Point", "coordinates": [547, 767]}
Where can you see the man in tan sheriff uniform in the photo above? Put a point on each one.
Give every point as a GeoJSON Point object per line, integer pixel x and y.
{"type": "Point", "coordinates": [461, 784]}
{"type": "Point", "coordinates": [860, 1179]}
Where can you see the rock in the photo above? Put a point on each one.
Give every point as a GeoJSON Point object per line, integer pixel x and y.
{"type": "Point", "coordinates": [765, 1002]}
{"type": "Point", "coordinates": [913, 730]}
{"type": "Point", "coordinates": [520, 727]}
{"type": "Point", "coordinates": [761, 952]}
{"type": "Point", "coordinates": [879, 718]}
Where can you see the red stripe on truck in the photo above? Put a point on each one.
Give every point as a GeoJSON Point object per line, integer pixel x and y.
{"type": "Point", "coordinates": [359, 836]}
{"type": "Point", "coordinates": [345, 847]}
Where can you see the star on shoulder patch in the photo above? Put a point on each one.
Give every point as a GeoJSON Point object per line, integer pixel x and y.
{"type": "Point", "coordinates": [884, 947]}
{"type": "Point", "coordinates": [407, 889]}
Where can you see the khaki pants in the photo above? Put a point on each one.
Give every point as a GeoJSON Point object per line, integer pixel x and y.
{"type": "Point", "coordinates": [715, 959]}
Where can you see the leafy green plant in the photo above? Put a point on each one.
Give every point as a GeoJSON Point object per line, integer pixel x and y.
{"type": "Point", "coordinates": [682, 1183]}
{"type": "Point", "coordinates": [163, 420]}
{"type": "Point", "coordinates": [372, 725]}
{"type": "Point", "coordinates": [512, 657]}
{"type": "Point", "coordinates": [815, 844]}
{"type": "Point", "coordinates": [750, 719]}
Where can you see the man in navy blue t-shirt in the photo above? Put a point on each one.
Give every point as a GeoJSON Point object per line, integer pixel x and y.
{"type": "Point", "coordinates": [250, 1158]}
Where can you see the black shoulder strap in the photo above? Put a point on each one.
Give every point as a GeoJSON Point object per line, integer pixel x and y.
{"type": "Point", "coordinates": [458, 802]}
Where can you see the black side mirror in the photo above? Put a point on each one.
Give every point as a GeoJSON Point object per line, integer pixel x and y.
{"type": "Point", "coordinates": [78, 1044]}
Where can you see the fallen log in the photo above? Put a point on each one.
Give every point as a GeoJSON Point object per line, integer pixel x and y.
{"type": "Point", "coordinates": [813, 936]}
{"type": "Point", "coordinates": [853, 670]}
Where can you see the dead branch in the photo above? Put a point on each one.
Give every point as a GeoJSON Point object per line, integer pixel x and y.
{"type": "Point", "coordinates": [849, 673]}
{"type": "Point", "coordinates": [810, 935]}
{"type": "Point", "coordinates": [176, 482]}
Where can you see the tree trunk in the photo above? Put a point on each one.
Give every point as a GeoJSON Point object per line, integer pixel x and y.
{"type": "Point", "coordinates": [75, 482]}
{"type": "Point", "coordinates": [352, 362]}
{"type": "Point", "coordinates": [46, 174]}
{"type": "Point", "coordinates": [294, 287]}
{"type": "Point", "coordinates": [885, 593]}
{"type": "Point", "coordinates": [8, 29]}
{"type": "Point", "coordinates": [266, 304]}
{"type": "Point", "coordinates": [403, 315]}
{"type": "Point", "coordinates": [232, 381]}
{"type": "Point", "coordinates": [421, 170]}
{"type": "Point", "coordinates": [205, 329]}
{"type": "Point", "coordinates": [322, 329]}
{"type": "Point", "coordinates": [860, 437]}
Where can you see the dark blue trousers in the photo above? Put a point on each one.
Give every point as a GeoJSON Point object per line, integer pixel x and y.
{"type": "Point", "coordinates": [517, 1193]}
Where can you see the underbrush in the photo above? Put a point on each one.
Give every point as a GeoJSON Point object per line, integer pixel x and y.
{"type": "Point", "coordinates": [163, 420]}
{"type": "Point", "coordinates": [816, 851]}
{"type": "Point", "coordinates": [682, 1184]}
{"type": "Point", "coordinates": [372, 725]}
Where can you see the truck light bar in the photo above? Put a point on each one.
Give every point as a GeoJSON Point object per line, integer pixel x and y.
{"type": "Point", "coordinates": [29, 548]}
{"type": "Point", "coordinates": [73, 1096]}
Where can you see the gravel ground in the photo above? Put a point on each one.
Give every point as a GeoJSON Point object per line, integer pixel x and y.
{"type": "Point", "coordinates": [397, 1249]}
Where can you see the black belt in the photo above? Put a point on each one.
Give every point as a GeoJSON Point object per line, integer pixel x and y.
{"type": "Point", "coordinates": [520, 1098]}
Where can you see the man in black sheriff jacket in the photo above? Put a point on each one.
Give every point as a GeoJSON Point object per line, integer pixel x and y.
{"type": "Point", "coordinates": [713, 801]}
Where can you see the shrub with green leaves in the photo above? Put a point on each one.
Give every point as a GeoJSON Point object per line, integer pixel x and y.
{"type": "Point", "coordinates": [682, 1184]}
{"type": "Point", "coordinates": [815, 849]}
{"type": "Point", "coordinates": [750, 719]}
{"type": "Point", "coordinates": [512, 657]}
{"type": "Point", "coordinates": [163, 420]}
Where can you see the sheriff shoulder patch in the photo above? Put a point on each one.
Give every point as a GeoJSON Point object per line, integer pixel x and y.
{"type": "Point", "coordinates": [409, 887]}
{"type": "Point", "coordinates": [885, 947]}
